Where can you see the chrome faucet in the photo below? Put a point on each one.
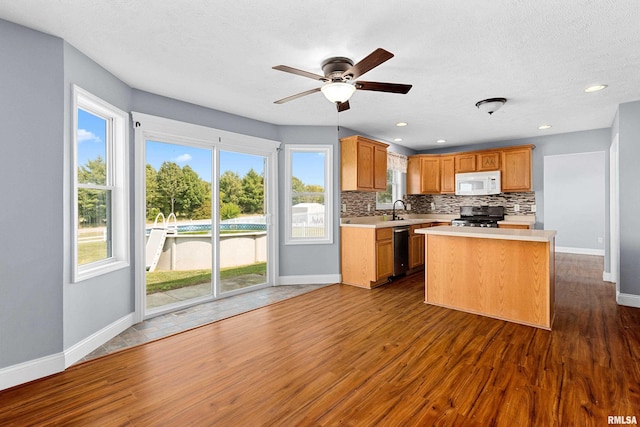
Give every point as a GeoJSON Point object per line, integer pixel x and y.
{"type": "Point", "coordinates": [394, 216]}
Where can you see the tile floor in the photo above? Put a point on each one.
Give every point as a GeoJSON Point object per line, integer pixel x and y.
{"type": "Point", "coordinates": [191, 317]}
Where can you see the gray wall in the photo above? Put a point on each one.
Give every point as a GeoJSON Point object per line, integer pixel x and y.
{"type": "Point", "coordinates": [92, 304]}
{"type": "Point", "coordinates": [628, 122]}
{"type": "Point", "coordinates": [31, 158]}
{"type": "Point", "coordinates": [574, 199]}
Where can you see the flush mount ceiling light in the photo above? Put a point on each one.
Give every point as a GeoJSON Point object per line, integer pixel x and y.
{"type": "Point", "coordinates": [337, 91]}
{"type": "Point", "coordinates": [595, 88]}
{"type": "Point", "coordinates": [401, 124]}
{"type": "Point", "coordinates": [441, 141]}
{"type": "Point", "coordinates": [491, 105]}
{"type": "Point", "coordinates": [543, 127]}
{"type": "Point", "coordinates": [397, 140]}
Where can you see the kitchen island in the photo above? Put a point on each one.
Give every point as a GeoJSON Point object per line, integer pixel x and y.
{"type": "Point", "coordinates": [507, 274]}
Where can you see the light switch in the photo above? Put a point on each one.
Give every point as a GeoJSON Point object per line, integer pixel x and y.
{"type": "Point", "coordinates": [344, 207]}
{"type": "Point", "coordinates": [533, 208]}
{"type": "Point", "coordinates": [516, 208]}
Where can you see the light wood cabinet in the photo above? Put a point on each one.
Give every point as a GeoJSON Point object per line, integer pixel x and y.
{"type": "Point", "coordinates": [488, 161]}
{"type": "Point", "coordinates": [447, 174]}
{"type": "Point", "coordinates": [423, 174]}
{"type": "Point", "coordinates": [516, 169]}
{"type": "Point", "coordinates": [465, 163]}
{"type": "Point", "coordinates": [366, 256]}
{"type": "Point", "coordinates": [416, 246]}
{"type": "Point", "coordinates": [363, 164]}
{"type": "Point", "coordinates": [435, 173]}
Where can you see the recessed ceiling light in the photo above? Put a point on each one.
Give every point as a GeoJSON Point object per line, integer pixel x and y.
{"type": "Point", "coordinates": [397, 140]}
{"type": "Point", "coordinates": [400, 124]}
{"type": "Point", "coordinates": [441, 141]}
{"type": "Point", "coordinates": [595, 88]}
{"type": "Point", "coordinates": [543, 127]}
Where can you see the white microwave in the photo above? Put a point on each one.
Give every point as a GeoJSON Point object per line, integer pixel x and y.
{"type": "Point", "coordinates": [478, 183]}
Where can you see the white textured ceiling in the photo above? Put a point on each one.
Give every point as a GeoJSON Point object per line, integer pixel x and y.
{"type": "Point", "coordinates": [539, 54]}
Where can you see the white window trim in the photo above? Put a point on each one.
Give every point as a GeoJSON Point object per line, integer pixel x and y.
{"type": "Point", "coordinates": [328, 192]}
{"type": "Point", "coordinates": [397, 191]}
{"type": "Point", "coordinates": [118, 181]}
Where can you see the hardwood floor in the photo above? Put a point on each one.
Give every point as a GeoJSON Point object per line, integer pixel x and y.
{"type": "Point", "coordinates": [350, 356]}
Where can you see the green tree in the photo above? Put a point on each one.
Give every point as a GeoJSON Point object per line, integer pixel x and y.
{"type": "Point", "coordinates": [171, 185]}
{"type": "Point", "coordinates": [92, 204]}
{"type": "Point", "coordinates": [230, 187]}
{"type": "Point", "coordinates": [229, 210]}
{"type": "Point", "coordinates": [152, 194]}
{"type": "Point", "coordinates": [252, 198]}
{"type": "Point", "coordinates": [194, 192]}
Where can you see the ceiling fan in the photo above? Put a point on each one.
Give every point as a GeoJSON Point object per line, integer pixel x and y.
{"type": "Point", "coordinates": [340, 78]}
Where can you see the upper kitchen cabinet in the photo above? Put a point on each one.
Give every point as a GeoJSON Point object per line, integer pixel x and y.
{"type": "Point", "coordinates": [477, 162]}
{"type": "Point", "coordinates": [363, 164]}
{"type": "Point", "coordinates": [516, 168]}
{"type": "Point", "coordinates": [465, 162]}
{"type": "Point", "coordinates": [423, 174]}
{"type": "Point", "coordinates": [447, 174]}
{"type": "Point", "coordinates": [488, 161]}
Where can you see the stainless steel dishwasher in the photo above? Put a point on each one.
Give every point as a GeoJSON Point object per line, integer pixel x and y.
{"type": "Point", "coordinates": [400, 250]}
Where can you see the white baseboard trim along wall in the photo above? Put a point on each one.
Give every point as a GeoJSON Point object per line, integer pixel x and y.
{"type": "Point", "coordinates": [628, 300]}
{"type": "Point", "coordinates": [311, 279]}
{"type": "Point", "coordinates": [39, 368]}
{"type": "Point", "coordinates": [580, 251]}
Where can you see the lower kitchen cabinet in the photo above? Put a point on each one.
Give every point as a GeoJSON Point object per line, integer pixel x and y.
{"type": "Point", "coordinates": [416, 246]}
{"type": "Point", "coordinates": [514, 226]}
{"type": "Point", "coordinates": [366, 256]}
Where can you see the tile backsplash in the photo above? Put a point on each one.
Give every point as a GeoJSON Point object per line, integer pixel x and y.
{"type": "Point", "coordinates": [360, 203]}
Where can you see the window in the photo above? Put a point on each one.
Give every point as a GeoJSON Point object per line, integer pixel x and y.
{"type": "Point", "coordinates": [396, 178]}
{"type": "Point", "coordinates": [309, 194]}
{"type": "Point", "coordinates": [101, 231]}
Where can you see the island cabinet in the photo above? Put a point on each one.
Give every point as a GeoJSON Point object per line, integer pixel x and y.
{"type": "Point", "coordinates": [505, 274]}
{"type": "Point", "coordinates": [366, 256]}
{"type": "Point", "coordinates": [516, 169]}
{"type": "Point", "coordinates": [423, 174]}
{"type": "Point", "coordinates": [363, 164]}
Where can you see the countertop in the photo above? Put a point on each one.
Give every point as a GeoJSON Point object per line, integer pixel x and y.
{"type": "Point", "coordinates": [378, 222]}
{"type": "Point", "coordinates": [492, 233]}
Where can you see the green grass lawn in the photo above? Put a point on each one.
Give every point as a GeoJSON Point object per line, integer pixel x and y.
{"type": "Point", "coordinates": [160, 281]}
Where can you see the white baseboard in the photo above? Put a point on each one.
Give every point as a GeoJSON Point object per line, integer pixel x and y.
{"type": "Point", "coordinates": [49, 365]}
{"type": "Point", "coordinates": [580, 251]}
{"type": "Point", "coordinates": [87, 345]}
{"type": "Point", "coordinates": [31, 370]}
{"type": "Point", "coordinates": [311, 279]}
{"type": "Point", "coordinates": [629, 300]}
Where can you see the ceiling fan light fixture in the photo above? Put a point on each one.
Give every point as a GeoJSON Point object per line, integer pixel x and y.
{"type": "Point", "coordinates": [491, 105]}
{"type": "Point", "coordinates": [337, 91]}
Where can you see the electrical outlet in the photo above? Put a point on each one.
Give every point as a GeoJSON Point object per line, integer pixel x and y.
{"type": "Point", "coordinates": [344, 207]}
{"type": "Point", "coordinates": [516, 208]}
{"type": "Point", "coordinates": [368, 207]}
{"type": "Point", "coordinates": [408, 206]}
{"type": "Point", "coordinates": [433, 206]}
{"type": "Point", "coordinates": [533, 208]}
{"type": "Point", "coordinates": [600, 240]}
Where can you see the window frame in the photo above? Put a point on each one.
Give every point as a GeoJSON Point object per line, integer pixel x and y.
{"type": "Point", "coordinates": [397, 189]}
{"type": "Point", "coordinates": [117, 184]}
{"type": "Point", "coordinates": [289, 150]}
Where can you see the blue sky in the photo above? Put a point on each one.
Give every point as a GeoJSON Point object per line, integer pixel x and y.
{"type": "Point", "coordinates": [308, 167]}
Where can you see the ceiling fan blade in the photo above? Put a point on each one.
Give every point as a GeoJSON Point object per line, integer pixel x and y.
{"type": "Point", "coordinates": [296, 96]}
{"type": "Point", "coordinates": [374, 59]}
{"type": "Point", "coordinates": [297, 72]}
{"type": "Point", "coordinates": [343, 106]}
{"type": "Point", "coordinates": [383, 87]}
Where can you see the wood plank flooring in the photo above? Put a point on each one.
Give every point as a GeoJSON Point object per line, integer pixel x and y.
{"type": "Point", "coordinates": [342, 355]}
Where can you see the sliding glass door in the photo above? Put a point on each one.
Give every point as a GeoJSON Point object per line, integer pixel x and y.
{"type": "Point", "coordinates": [243, 222]}
{"type": "Point", "coordinates": [178, 251]}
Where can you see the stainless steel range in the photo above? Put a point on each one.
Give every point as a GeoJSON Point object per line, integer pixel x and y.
{"type": "Point", "coordinates": [479, 216]}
